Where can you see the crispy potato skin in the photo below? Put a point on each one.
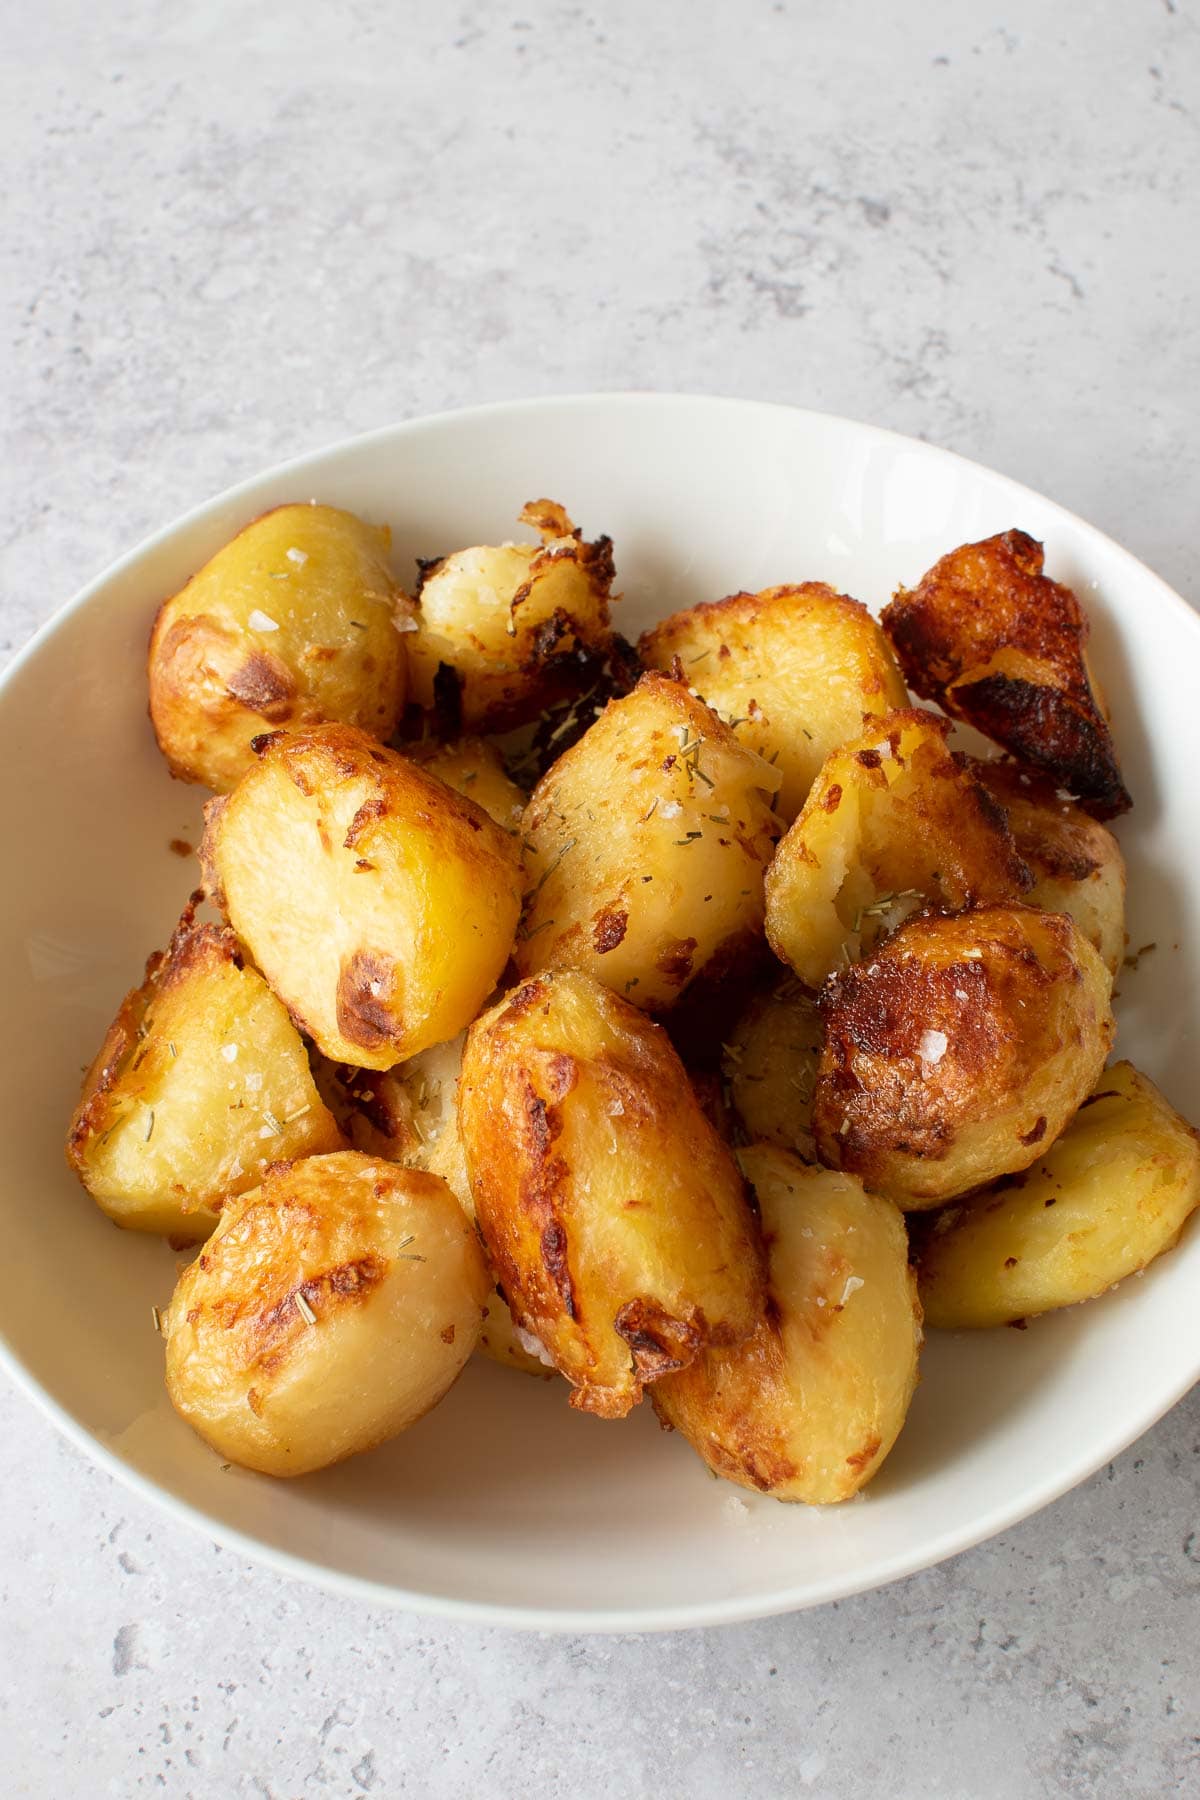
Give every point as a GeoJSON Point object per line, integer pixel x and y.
{"type": "Point", "coordinates": [809, 1406]}
{"type": "Point", "coordinates": [997, 643]}
{"type": "Point", "coordinates": [959, 1051]}
{"type": "Point", "coordinates": [201, 1082]}
{"type": "Point", "coordinates": [613, 1215]}
{"type": "Point", "coordinates": [394, 1281]}
{"type": "Point", "coordinates": [797, 668]}
{"type": "Point", "coordinates": [893, 820]}
{"type": "Point", "coordinates": [473, 767]}
{"type": "Point", "coordinates": [770, 1065]}
{"type": "Point", "coordinates": [1113, 1193]}
{"type": "Point", "coordinates": [645, 846]}
{"type": "Point", "coordinates": [402, 897]}
{"type": "Point", "coordinates": [293, 622]}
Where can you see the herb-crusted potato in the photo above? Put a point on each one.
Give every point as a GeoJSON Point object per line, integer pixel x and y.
{"type": "Point", "coordinates": [995, 642]}
{"type": "Point", "coordinates": [473, 767]}
{"type": "Point", "coordinates": [613, 1215]}
{"type": "Point", "coordinates": [508, 621]}
{"type": "Point", "coordinates": [645, 845]}
{"type": "Point", "coordinates": [201, 1082]}
{"type": "Point", "coordinates": [379, 904]}
{"type": "Point", "coordinates": [795, 670]}
{"type": "Point", "coordinates": [809, 1406]}
{"type": "Point", "coordinates": [770, 1064]}
{"type": "Point", "coordinates": [295, 621]}
{"type": "Point", "coordinates": [330, 1309]}
{"type": "Point", "coordinates": [960, 1049]}
{"type": "Point", "coordinates": [1112, 1194]}
{"type": "Point", "coordinates": [892, 822]}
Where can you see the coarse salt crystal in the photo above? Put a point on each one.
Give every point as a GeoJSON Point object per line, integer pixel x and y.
{"type": "Point", "coordinates": [297, 556]}
{"type": "Point", "coordinates": [532, 1345]}
{"type": "Point", "coordinates": [254, 1080]}
{"type": "Point", "coordinates": [853, 1283]}
{"type": "Point", "coordinates": [229, 1052]}
{"type": "Point", "coordinates": [932, 1047]}
{"type": "Point", "coordinates": [261, 621]}
{"type": "Point", "coordinates": [670, 809]}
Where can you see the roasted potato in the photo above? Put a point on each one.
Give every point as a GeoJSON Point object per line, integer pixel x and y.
{"type": "Point", "coordinates": [201, 1082]}
{"type": "Point", "coordinates": [959, 1050]}
{"type": "Point", "coordinates": [473, 767]}
{"type": "Point", "coordinates": [809, 1406]}
{"type": "Point", "coordinates": [401, 1112]}
{"type": "Point", "coordinates": [892, 822]}
{"type": "Point", "coordinates": [330, 1309]}
{"type": "Point", "coordinates": [379, 904]}
{"type": "Point", "coordinates": [297, 620]}
{"type": "Point", "coordinates": [1112, 1194]}
{"type": "Point", "coordinates": [771, 1067]}
{"type": "Point", "coordinates": [613, 1215]}
{"type": "Point", "coordinates": [997, 643]}
{"type": "Point", "coordinates": [794, 670]}
{"type": "Point", "coordinates": [508, 621]}
{"type": "Point", "coordinates": [645, 848]}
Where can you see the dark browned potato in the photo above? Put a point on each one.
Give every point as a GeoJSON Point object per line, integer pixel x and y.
{"type": "Point", "coordinates": [997, 643]}
{"type": "Point", "coordinates": [960, 1051]}
{"type": "Point", "coordinates": [613, 1215]}
{"type": "Point", "coordinates": [379, 904]}
{"type": "Point", "coordinates": [293, 622]}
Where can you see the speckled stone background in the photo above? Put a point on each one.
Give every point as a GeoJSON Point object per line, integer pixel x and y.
{"type": "Point", "coordinates": [233, 233]}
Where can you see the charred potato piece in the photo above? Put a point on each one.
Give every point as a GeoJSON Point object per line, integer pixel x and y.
{"type": "Point", "coordinates": [614, 1216]}
{"type": "Point", "coordinates": [295, 621]}
{"type": "Point", "coordinates": [809, 1406]}
{"type": "Point", "coordinates": [997, 643]}
{"type": "Point", "coordinates": [771, 1068]}
{"type": "Point", "coordinates": [645, 849]}
{"type": "Point", "coordinates": [959, 1051]}
{"type": "Point", "coordinates": [399, 897]}
{"type": "Point", "coordinates": [795, 670]}
{"type": "Point", "coordinates": [330, 1309]}
{"type": "Point", "coordinates": [473, 767]}
{"type": "Point", "coordinates": [892, 822]}
{"type": "Point", "coordinates": [1112, 1194]}
{"type": "Point", "coordinates": [200, 1084]}
{"type": "Point", "coordinates": [509, 620]}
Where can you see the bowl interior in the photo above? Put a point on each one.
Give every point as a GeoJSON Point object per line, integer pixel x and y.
{"type": "Point", "coordinates": [504, 1503]}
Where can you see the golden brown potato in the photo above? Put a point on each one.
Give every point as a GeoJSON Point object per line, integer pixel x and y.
{"type": "Point", "coordinates": [379, 904]}
{"type": "Point", "coordinates": [959, 1050]}
{"type": "Point", "coordinates": [201, 1082]}
{"type": "Point", "coordinates": [510, 620]}
{"type": "Point", "coordinates": [473, 767]}
{"type": "Point", "coordinates": [795, 671]}
{"type": "Point", "coordinates": [614, 1216]}
{"type": "Point", "coordinates": [400, 1113]}
{"type": "Point", "coordinates": [1076, 862]}
{"type": "Point", "coordinates": [1112, 1194]}
{"type": "Point", "coordinates": [892, 822]}
{"type": "Point", "coordinates": [330, 1309]}
{"type": "Point", "coordinates": [771, 1067]}
{"type": "Point", "coordinates": [295, 621]}
{"type": "Point", "coordinates": [646, 844]}
{"type": "Point", "coordinates": [995, 642]}
{"type": "Point", "coordinates": [808, 1407]}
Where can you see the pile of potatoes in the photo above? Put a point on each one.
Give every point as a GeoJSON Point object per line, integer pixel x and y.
{"type": "Point", "coordinates": [613, 1010]}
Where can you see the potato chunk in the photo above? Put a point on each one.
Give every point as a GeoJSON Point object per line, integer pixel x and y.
{"type": "Point", "coordinates": [293, 622]}
{"type": "Point", "coordinates": [956, 1053]}
{"type": "Point", "coordinates": [201, 1082]}
{"type": "Point", "coordinates": [794, 669]}
{"type": "Point", "coordinates": [770, 1064]}
{"type": "Point", "coordinates": [473, 767]}
{"type": "Point", "coordinates": [613, 1215]}
{"type": "Point", "coordinates": [995, 642]}
{"type": "Point", "coordinates": [646, 844]}
{"type": "Point", "coordinates": [509, 621]}
{"type": "Point", "coordinates": [379, 904]}
{"type": "Point", "coordinates": [330, 1309]}
{"type": "Point", "coordinates": [1112, 1194]}
{"type": "Point", "coordinates": [808, 1407]}
{"type": "Point", "coordinates": [892, 821]}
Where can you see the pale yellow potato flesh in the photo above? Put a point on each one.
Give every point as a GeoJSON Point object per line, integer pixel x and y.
{"type": "Point", "coordinates": [473, 767]}
{"type": "Point", "coordinates": [770, 1064]}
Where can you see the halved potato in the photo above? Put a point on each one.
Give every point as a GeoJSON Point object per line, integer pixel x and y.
{"type": "Point", "coordinates": [295, 621]}
{"type": "Point", "coordinates": [892, 822]}
{"type": "Point", "coordinates": [200, 1084]}
{"type": "Point", "coordinates": [995, 642]}
{"type": "Point", "coordinates": [1113, 1193]}
{"type": "Point", "coordinates": [808, 1407]}
{"type": "Point", "coordinates": [380, 905]}
{"type": "Point", "coordinates": [473, 767]}
{"type": "Point", "coordinates": [613, 1215]}
{"type": "Point", "coordinates": [770, 1064]}
{"type": "Point", "coordinates": [794, 671]}
{"type": "Point", "coordinates": [959, 1050]}
{"type": "Point", "coordinates": [330, 1309]}
{"type": "Point", "coordinates": [645, 848]}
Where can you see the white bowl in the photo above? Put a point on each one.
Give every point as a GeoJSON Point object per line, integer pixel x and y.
{"type": "Point", "coordinates": [505, 1506]}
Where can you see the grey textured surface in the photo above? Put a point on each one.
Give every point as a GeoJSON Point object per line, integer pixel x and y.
{"type": "Point", "coordinates": [233, 234]}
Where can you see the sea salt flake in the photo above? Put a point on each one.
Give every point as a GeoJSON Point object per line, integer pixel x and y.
{"type": "Point", "coordinates": [932, 1048]}
{"type": "Point", "coordinates": [297, 556]}
{"type": "Point", "coordinates": [853, 1283]}
{"type": "Point", "coordinates": [670, 809]}
{"type": "Point", "coordinates": [261, 621]}
{"type": "Point", "coordinates": [229, 1052]}
{"type": "Point", "coordinates": [532, 1345]}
